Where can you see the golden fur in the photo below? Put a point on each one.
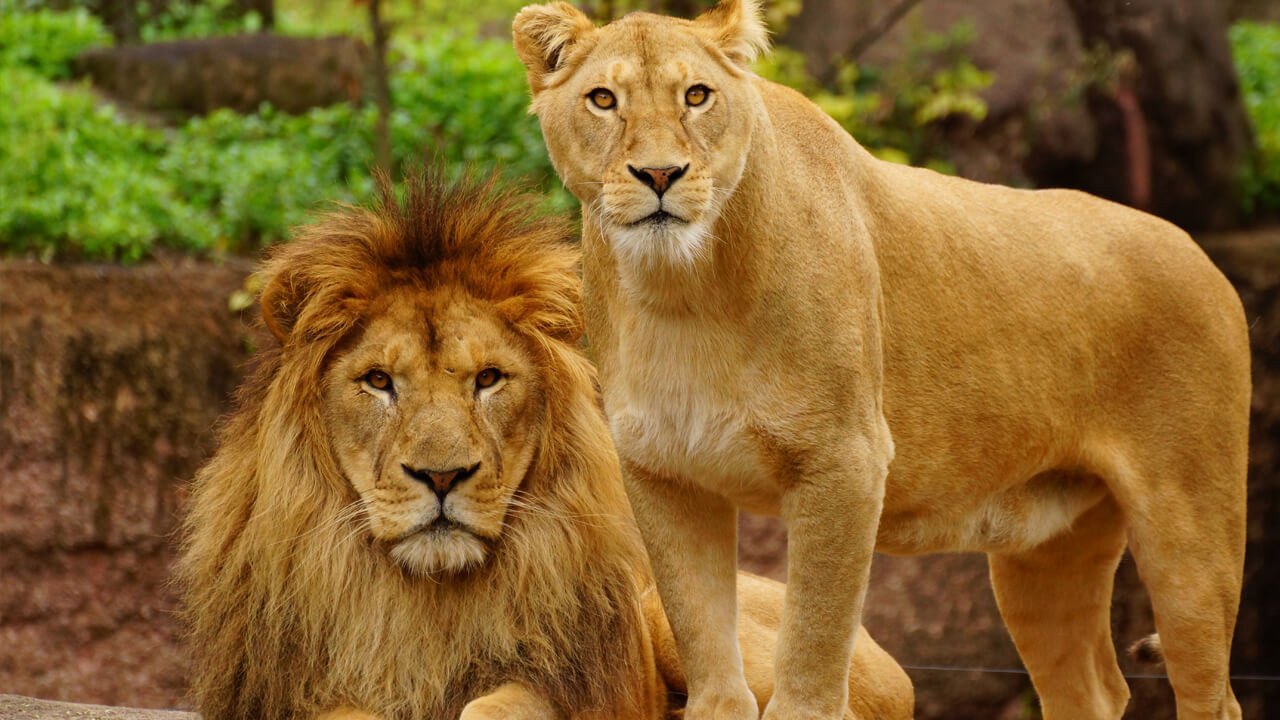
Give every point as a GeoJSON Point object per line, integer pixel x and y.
{"type": "Point", "coordinates": [313, 581]}
{"type": "Point", "coordinates": [889, 358]}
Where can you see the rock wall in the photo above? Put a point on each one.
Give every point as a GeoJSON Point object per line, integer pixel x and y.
{"type": "Point", "coordinates": [110, 382]}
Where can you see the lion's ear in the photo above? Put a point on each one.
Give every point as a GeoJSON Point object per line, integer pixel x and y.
{"type": "Point", "coordinates": [544, 34]}
{"type": "Point", "coordinates": [737, 28]}
{"type": "Point", "coordinates": [280, 303]}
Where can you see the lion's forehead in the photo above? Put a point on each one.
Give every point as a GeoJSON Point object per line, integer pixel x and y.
{"type": "Point", "coordinates": [449, 336]}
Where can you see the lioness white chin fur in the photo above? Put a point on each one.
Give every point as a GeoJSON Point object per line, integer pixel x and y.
{"type": "Point", "coordinates": [889, 358]}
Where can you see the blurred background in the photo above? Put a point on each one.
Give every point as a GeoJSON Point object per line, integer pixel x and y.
{"type": "Point", "coordinates": [149, 149]}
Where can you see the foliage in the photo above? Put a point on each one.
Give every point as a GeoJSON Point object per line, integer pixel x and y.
{"type": "Point", "coordinates": [893, 110]}
{"type": "Point", "coordinates": [82, 181]}
{"type": "Point", "coordinates": [1256, 49]}
{"type": "Point", "coordinates": [46, 41]}
{"type": "Point", "coordinates": [467, 102]}
{"type": "Point", "coordinates": [79, 180]}
{"type": "Point", "coordinates": [176, 19]}
{"type": "Point", "coordinates": [407, 17]}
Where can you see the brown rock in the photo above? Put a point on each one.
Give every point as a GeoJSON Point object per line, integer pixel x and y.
{"type": "Point", "coordinates": [1174, 121]}
{"type": "Point", "coordinates": [1031, 47]}
{"type": "Point", "coordinates": [16, 707]}
{"type": "Point", "coordinates": [1151, 116]}
{"type": "Point", "coordinates": [110, 383]}
{"type": "Point", "coordinates": [240, 72]}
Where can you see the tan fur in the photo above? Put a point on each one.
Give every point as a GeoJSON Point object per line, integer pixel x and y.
{"type": "Point", "coordinates": [314, 583]}
{"type": "Point", "coordinates": [878, 689]}
{"type": "Point", "coordinates": [890, 358]}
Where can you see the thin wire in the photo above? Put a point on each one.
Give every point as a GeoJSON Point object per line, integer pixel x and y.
{"type": "Point", "coordinates": [1131, 676]}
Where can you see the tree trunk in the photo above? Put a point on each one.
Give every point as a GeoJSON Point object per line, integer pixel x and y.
{"type": "Point", "coordinates": [1187, 127]}
{"type": "Point", "coordinates": [381, 87]}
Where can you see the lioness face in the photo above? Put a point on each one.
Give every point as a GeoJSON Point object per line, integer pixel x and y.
{"type": "Point", "coordinates": [432, 411]}
{"type": "Point", "coordinates": [647, 122]}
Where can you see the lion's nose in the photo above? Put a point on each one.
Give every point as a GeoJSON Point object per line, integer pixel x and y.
{"type": "Point", "coordinates": [440, 481]}
{"type": "Point", "coordinates": [658, 178]}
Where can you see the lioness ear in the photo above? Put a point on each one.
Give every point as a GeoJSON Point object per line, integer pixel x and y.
{"type": "Point", "coordinates": [543, 36]}
{"type": "Point", "coordinates": [737, 29]}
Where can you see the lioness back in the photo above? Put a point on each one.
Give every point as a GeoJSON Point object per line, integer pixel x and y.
{"type": "Point", "coordinates": [1115, 315]}
{"type": "Point", "coordinates": [969, 270]}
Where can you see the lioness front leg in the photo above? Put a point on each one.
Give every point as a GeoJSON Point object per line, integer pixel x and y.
{"type": "Point", "coordinates": [692, 535]}
{"type": "Point", "coordinates": [512, 701]}
{"type": "Point", "coordinates": [832, 513]}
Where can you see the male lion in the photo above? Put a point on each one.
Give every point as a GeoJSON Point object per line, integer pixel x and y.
{"type": "Point", "coordinates": [417, 512]}
{"type": "Point", "coordinates": [774, 311]}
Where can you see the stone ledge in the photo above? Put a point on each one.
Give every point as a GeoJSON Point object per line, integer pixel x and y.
{"type": "Point", "coordinates": [17, 707]}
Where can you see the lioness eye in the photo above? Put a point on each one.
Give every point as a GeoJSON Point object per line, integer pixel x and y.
{"type": "Point", "coordinates": [602, 98]}
{"type": "Point", "coordinates": [487, 377]}
{"type": "Point", "coordinates": [696, 95]}
{"type": "Point", "coordinates": [378, 380]}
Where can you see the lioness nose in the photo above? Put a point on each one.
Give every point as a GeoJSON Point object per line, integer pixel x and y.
{"type": "Point", "coordinates": [658, 178]}
{"type": "Point", "coordinates": [440, 481]}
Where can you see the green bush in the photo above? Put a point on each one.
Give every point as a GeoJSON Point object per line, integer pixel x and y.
{"type": "Point", "coordinates": [193, 18]}
{"type": "Point", "coordinates": [466, 102]}
{"type": "Point", "coordinates": [46, 41]}
{"type": "Point", "coordinates": [80, 181]}
{"type": "Point", "coordinates": [258, 175]}
{"type": "Point", "coordinates": [892, 110]}
{"type": "Point", "coordinates": [1256, 48]}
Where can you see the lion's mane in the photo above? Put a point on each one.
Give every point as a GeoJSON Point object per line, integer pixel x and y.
{"type": "Point", "coordinates": [290, 609]}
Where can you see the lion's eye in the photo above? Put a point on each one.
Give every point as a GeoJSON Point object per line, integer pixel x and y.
{"type": "Point", "coordinates": [378, 380]}
{"type": "Point", "coordinates": [602, 98]}
{"type": "Point", "coordinates": [697, 95]}
{"type": "Point", "coordinates": [487, 377]}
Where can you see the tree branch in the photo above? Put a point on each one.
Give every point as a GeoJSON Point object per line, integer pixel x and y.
{"type": "Point", "coordinates": [872, 35]}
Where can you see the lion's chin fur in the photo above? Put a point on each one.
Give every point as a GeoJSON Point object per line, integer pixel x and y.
{"type": "Point", "coordinates": [450, 552]}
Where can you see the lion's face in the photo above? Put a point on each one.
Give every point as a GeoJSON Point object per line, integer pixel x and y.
{"type": "Point", "coordinates": [430, 410]}
{"type": "Point", "coordinates": [647, 120]}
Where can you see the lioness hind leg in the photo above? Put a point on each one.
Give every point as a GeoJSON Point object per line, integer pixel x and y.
{"type": "Point", "coordinates": [1190, 555]}
{"type": "Point", "coordinates": [1056, 602]}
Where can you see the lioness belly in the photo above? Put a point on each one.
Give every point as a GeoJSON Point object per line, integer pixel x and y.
{"type": "Point", "coordinates": [1016, 518]}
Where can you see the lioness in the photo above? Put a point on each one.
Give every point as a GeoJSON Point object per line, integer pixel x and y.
{"type": "Point", "coordinates": [775, 311]}
{"type": "Point", "coordinates": [416, 511]}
